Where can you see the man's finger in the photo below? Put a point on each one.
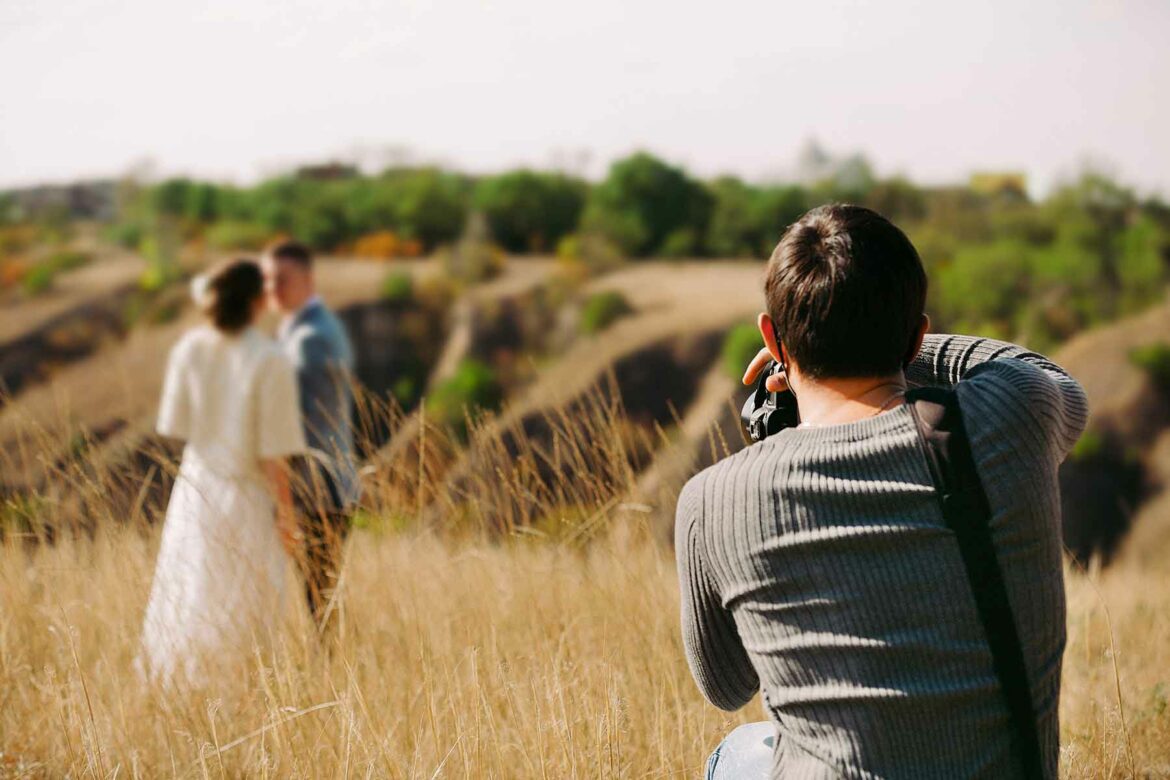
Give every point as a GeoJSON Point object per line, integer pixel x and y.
{"type": "Point", "coordinates": [756, 366]}
{"type": "Point", "coordinates": [777, 383]}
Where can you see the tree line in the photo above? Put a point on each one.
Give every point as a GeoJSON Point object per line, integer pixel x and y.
{"type": "Point", "coordinates": [999, 262]}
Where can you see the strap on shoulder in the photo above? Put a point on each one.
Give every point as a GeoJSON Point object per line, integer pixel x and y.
{"type": "Point", "coordinates": [968, 514]}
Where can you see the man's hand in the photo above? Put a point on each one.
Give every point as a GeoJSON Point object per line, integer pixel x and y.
{"type": "Point", "coordinates": [777, 383]}
{"type": "Point", "coordinates": [290, 532]}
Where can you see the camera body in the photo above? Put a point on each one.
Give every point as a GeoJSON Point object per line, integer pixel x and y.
{"type": "Point", "coordinates": [765, 413]}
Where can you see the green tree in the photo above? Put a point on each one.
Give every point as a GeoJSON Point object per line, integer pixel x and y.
{"type": "Point", "coordinates": [981, 287]}
{"type": "Point", "coordinates": [897, 199]}
{"type": "Point", "coordinates": [529, 211]}
{"type": "Point", "coordinates": [735, 229]}
{"type": "Point", "coordinates": [775, 208]}
{"type": "Point", "coordinates": [429, 205]}
{"type": "Point", "coordinates": [643, 200]}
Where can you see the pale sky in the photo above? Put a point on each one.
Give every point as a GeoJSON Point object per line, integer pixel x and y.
{"type": "Point", "coordinates": [236, 89]}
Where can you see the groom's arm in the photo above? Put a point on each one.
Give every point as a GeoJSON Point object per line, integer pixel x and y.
{"type": "Point", "coordinates": [313, 361]}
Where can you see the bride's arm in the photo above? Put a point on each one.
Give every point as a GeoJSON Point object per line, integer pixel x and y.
{"type": "Point", "coordinates": [276, 472]}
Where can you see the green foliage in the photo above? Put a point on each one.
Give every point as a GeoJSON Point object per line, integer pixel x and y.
{"type": "Point", "coordinates": [38, 279]}
{"type": "Point", "coordinates": [1141, 268]}
{"type": "Point", "coordinates": [897, 199]}
{"type": "Point", "coordinates": [981, 287]}
{"type": "Point", "coordinates": [175, 198]}
{"type": "Point", "coordinates": [125, 234]}
{"type": "Point", "coordinates": [998, 263]}
{"type": "Point", "coordinates": [643, 201]}
{"type": "Point", "coordinates": [734, 229]}
{"type": "Point", "coordinates": [68, 259]}
{"type": "Point", "coordinates": [473, 387]}
{"type": "Point", "coordinates": [748, 221]}
{"type": "Point", "coordinates": [740, 345]}
{"type": "Point", "coordinates": [234, 234]}
{"type": "Point", "coordinates": [1154, 361]}
{"type": "Point", "coordinates": [602, 309]}
{"type": "Point", "coordinates": [1089, 447]}
{"type": "Point", "coordinates": [683, 242]}
{"type": "Point", "coordinates": [398, 287]}
{"type": "Point", "coordinates": [430, 205]}
{"type": "Point", "coordinates": [160, 248]}
{"type": "Point", "coordinates": [406, 391]}
{"type": "Point", "coordinates": [529, 211]}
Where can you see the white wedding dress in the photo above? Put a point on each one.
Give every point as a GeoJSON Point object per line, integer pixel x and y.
{"type": "Point", "coordinates": [220, 578]}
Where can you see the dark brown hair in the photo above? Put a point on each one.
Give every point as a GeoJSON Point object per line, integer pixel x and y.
{"type": "Point", "coordinates": [293, 251]}
{"type": "Point", "coordinates": [846, 291]}
{"type": "Point", "coordinates": [232, 290]}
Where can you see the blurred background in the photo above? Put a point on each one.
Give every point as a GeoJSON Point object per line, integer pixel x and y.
{"type": "Point", "coordinates": [545, 226]}
{"type": "Point", "coordinates": [492, 185]}
{"type": "Point", "coordinates": [495, 183]}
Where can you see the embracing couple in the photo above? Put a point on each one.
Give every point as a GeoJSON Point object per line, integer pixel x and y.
{"type": "Point", "coordinates": [267, 473]}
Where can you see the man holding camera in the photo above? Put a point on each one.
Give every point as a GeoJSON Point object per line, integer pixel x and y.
{"type": "Point", "coordinates": [825, 566]}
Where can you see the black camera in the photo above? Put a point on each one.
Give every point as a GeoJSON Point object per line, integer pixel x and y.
{"type": "Point", "coordinates": [765, 413]}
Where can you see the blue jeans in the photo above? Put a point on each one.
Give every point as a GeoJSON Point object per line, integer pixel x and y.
{"type": "Point", "coordinates": [744, 754]}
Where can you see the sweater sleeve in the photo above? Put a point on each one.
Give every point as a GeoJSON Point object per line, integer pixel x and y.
{"type": "Point", "coordinates": [714, 652]}
{"type": "Point", "coordinates": [1028, 387]}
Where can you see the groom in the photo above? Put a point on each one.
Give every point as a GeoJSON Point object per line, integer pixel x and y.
{"type": "Point", "coordinates": [327, 486]}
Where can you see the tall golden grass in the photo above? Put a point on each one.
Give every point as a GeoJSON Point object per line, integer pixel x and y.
{"type": "Point", "coordinates": [545, 645]}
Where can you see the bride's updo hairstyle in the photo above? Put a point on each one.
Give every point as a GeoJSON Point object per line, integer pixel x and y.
{"type": "Point", "coordinates": [228, 296]}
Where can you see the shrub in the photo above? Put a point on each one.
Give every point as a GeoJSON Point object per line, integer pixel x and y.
{"type": "Point", "coordinates": [1154, 361]}
{"type": "Point", "coordinates": [473, 387]}
{"type": "Point", "coordinates": [596, 253]}
{"type": "Point", "coordinates": [38, 279]}
{"type": "Point", "coordinates": [233, 234]}
{"type": "Point", "coordinates": [1090, 446]}
{"type": "Point", "coordinates": [602, 309]}
{"type": "Point", "coordinates": [125, 234]}
{"type": "Point", "coordinates": [379, 245]}
{"type": "Point", "coordinates": [529, 211]}
{"type": "Point", "coordinates": [643, 201]}
{"type": "Point", "coordinates": [740, 345]}
{"type": "Point", "coordinates": [683, 242]}
{"type": "Point", "coordinates": [430, 206]}
{"type": "Point", "coordinates": [67, 260]}
{"type": "Point", "coordinates": [398, 287]}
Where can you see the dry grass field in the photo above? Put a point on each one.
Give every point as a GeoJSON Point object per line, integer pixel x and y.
{"type": "Point", "coordinates": [464, 655]}
{"type": "Point", "coordinates": [519, 621]}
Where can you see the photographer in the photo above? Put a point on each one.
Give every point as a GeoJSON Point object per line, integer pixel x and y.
{"type": "Point", "coordinates": [820, 567]}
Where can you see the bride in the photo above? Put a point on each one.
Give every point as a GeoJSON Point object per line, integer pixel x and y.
{"type": "Point", "coordinates": [231, 396]}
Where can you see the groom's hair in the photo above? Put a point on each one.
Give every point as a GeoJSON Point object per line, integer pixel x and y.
{"type": "Point", "coordinates": [293, 251]}
{"type": "Point", "coordinates": [846, 291]}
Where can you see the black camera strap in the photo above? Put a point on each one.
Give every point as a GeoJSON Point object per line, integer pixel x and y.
{"type": "Point", "coordinates": [968, 514]}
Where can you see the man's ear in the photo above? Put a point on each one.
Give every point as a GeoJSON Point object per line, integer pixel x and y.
{"type": "Point", "coordinates": [923, 329]}
{"type": "Point", "coordinates": [768, 331]}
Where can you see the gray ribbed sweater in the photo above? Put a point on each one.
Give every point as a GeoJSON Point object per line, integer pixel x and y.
{"type": "Point", "coordinates": [816, 567]}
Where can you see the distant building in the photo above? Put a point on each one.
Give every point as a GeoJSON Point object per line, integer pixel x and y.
{"type": "Point", "coordinates": [78, 200]}
{"type": "Point", "coordinates": [1009, 184]}
{"type": "Point", "coordinates": [326, 171]}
